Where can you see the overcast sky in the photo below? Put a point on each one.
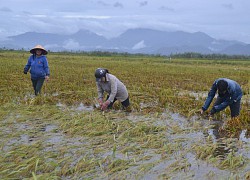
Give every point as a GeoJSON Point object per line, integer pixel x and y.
{"type": "Point", "coordinates": [220, 19]}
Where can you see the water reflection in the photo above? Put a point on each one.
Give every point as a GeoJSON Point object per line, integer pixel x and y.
{"type": "Point", "coordinates": [243, 137]}
{"type": "Point", "coordinates": [213, 132]}
{"type": "Point", "coordinates": [222, 145]}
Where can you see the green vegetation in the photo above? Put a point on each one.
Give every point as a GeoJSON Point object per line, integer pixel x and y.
{"type": "Point", "coordinates": [59, 135]}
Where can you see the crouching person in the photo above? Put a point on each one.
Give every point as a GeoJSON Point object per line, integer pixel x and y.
{"type": "Point", "coordinates": [229, 94]}
{"type": "Point", "coordinates": [115, 89]}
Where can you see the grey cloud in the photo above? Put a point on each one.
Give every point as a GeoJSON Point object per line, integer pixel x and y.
{"type": "Point", "coordinates": [227, 6]}
{"type": "Point", "coordinates": [5, 9]}
{"type": "Point", "coordinates": [144, 3]}
{"type": "Point", "coordinates": [103, 3]}
{"type": "Point", "coordinates": [111, 17]}
{"type": "Point", "coordinates": [71, 44]}
{"type": "Point", "coordinates": [139, 45]}
{"type": "Point", "coordinates": [26, 13]}
{"type": "Point", "coordinates": [119, 5]}
{"type": "Point", "coordinates": [164, 8]}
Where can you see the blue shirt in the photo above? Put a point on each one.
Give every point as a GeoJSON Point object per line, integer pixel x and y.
{"type": "Point", "coordinates": [233, 94]}
{"type": "Point", "coordinates": [38, 66]}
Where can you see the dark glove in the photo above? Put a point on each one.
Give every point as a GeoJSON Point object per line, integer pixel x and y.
{"type": "Point", "coordinates": [213, 111]}
{"type": "Point", "coordinates": [25, 72]}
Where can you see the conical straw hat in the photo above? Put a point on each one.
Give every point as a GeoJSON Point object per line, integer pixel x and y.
{"type": "Point", "coordinates": [33, 50]}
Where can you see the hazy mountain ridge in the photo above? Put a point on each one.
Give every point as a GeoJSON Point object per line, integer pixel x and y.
{"type": "Point", "coordinates": [138, 40]}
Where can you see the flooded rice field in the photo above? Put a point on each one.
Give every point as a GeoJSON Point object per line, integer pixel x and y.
{"type": "Point", "coordinates": [61, 135]}
{"type": "Point", "coordinates": [120, 145]}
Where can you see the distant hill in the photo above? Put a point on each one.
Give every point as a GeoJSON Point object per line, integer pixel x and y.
{"type": "Point", "coordinates": [140, 40]}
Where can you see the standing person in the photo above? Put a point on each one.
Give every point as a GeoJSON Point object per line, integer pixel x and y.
{"type": "Point", "coordinates": [110, 84]}
{"type": "Point", "coordinates": [39, 68]}
{"type": "Point", "coordinates": [229, 94]}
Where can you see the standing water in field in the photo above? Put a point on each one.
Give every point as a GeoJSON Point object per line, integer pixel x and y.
{"type": "Point", "coordinates": [243, 137]}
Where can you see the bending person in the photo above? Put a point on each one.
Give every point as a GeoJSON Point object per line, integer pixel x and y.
{"type": "Point", "coordinates": [229, 94]}
{"type": "Point", "coordinates": [110, 84]}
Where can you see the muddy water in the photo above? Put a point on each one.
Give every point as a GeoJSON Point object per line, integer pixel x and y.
{"type": "Point", "coordinates": [196, 95]}
{"type": "Point", "coordinates": [182, 135]}
{"type": "Point", "coordinates": [189, 133]}
{"type": "Point", "coordinates": [81, 107]}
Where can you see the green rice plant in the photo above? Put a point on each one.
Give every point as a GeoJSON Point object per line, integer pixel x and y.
{"type": "Point", "coordinates": [178, 165]}
{"type": "Point", "coordinates": [232, 161]}
{"type": "Point", "coordinates": [118, 165]}
{"type": "Point", "coordinates": [219, 156]}
{"type": "Point", "coordinates": [169, 148]}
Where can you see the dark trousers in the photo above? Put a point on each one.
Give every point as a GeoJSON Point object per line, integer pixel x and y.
{"type": "Point", "coordinates": [234, 108]}
{"type": "Point", "coordinates": [37, 85]}
{"type": "Point", "coordinates": [124, 103]}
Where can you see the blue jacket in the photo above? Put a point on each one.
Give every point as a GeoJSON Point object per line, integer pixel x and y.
{"type": "Point", "coordinates": [38, 66]}
{"type": "Point", "coordinates": [234, 94]}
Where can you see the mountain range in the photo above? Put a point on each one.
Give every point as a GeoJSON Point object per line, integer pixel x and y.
{"type": "Point", "coordinates": [140, 40]}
